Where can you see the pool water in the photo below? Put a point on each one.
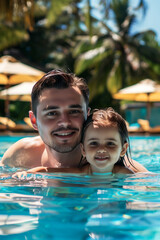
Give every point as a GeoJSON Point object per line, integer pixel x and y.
{"type": "Point", "coordinates": [62, 206]}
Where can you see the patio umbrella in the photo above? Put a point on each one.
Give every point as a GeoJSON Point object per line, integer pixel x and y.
{"type": "Point", "coordinates": [14, 72]}
{"type": "Point", "coordinates": [146, 90]}
{"type": "Point", "coordinates": [20, 92]}
{"type": "Point", "coordinates": [11, 66]}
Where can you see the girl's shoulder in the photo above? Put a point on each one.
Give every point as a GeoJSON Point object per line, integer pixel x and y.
{"type": "Point", "coordinates": [86, 169]}
{"type": "Point", "coordinates": [122, 169]}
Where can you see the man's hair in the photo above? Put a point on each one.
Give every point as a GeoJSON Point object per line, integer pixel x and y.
{"type": "Point", "coordinates": [60, 80]}
{"type": "Point", "coordinates": [109, 118]}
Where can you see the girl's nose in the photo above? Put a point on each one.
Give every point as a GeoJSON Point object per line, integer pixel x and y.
{"type": "Point", "coordinates": [101, 150]}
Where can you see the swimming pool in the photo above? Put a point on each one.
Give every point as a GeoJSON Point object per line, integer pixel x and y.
{"type": "Point", "coordinates": [61, 206]}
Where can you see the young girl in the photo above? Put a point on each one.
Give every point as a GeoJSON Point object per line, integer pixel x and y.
{"type": "Point", "coordinates": [104, 144]}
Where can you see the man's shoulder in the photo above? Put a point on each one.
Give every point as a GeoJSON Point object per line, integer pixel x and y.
{"type": "Point", "coordinates": [30, 142]}
{"type": "Point", "coordinates": [22, 151]}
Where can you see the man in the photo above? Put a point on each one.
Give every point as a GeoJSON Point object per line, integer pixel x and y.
{"type": "Point", "coordinates": [59, 107]}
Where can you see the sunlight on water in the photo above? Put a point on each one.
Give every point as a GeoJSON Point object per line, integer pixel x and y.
{"type": "Point", "coordinates": [146, 150]}
{"type": "Point", "coordinates": [62, 206]}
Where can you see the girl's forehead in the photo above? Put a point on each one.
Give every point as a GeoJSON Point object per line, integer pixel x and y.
{"type": "Point", "coordinates": [95, 130]}
{"type": "Point", "coordinates": [101, 133]}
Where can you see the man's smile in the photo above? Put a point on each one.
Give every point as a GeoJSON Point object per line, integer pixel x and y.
{"type": "Point", "coordinates": [65, 133]}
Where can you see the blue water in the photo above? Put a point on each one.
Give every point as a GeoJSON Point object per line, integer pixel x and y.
{"type": "Point", "coordinates": [62, 206]}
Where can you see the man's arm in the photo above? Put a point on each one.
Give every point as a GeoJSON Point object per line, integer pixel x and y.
{"type": "Point", "coordinates": [24, 153]}
{"type": "Point", "coordinates": [23, 174]}
{"type": "Point", "coordinates": [14, 155]}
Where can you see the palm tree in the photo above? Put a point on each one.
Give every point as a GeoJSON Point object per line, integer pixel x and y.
{"type": "Point", "coordinates": [116, 58]}
{"type": "Point", "coordinates": [18, 18]}
{"type": "Point", "coordinates": [21, 11]}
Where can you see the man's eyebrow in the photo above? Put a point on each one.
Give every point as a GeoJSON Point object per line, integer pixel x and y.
{"type": "Point", "coordinates": [50, 108]}
{"type": "Point", "coordinates": [75, 106]}
{"type": "Point", "coordinates": [56, 107]}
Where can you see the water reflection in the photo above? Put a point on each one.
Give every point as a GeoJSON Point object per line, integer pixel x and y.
{"type": "Point", "coordinates": [63, 206]}
{"type": "Point", "coordinates": [58, 206]}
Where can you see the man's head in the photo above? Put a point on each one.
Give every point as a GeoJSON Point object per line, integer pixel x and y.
{"type": "Point", "coordinates": [60, 80]}
{"type": "Point", "coordinates": [60, 106]}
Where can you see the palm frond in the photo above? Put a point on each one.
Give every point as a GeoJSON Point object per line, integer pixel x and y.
{"type": "Point", "coordinates": [11, 37]}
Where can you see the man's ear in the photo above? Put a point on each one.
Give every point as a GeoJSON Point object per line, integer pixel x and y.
{"type": "Point", "coordinates": [33, 120]}
{"type": "Point", "coordinates": [124, 149]}
{"type": "Point", "coordinates": [82, 150]}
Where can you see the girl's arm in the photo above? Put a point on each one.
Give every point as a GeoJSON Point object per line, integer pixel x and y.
{"type": "Point", "coordinates": [136, 167]}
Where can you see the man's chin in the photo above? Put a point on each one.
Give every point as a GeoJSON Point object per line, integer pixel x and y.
{"type": "Point", "coordinates": [64, 149]}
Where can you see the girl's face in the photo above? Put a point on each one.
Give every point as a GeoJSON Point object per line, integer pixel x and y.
{"type": "Point", "coordinates": [102, 148]}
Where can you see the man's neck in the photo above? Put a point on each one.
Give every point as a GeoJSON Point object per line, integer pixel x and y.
{"type": "Point", "coordinates": [55, 159]}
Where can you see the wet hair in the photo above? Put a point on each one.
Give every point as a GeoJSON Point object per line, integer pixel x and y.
{"type": "Point", "coordinates": [109, 118]}
{"type": "Point", "coordinates": [60, 80]}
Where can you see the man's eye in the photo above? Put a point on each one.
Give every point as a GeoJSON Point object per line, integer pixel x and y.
{"type": "Point", "coordinates": [75, 111]}
{"type": "Point", "coordinates": [51, 113]}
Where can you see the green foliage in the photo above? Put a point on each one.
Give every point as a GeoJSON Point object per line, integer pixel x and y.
{"type": "Point", "coordinates": [115, 78]}
{"type": "Point", "coordinates": [126, 59]}
{"type": "Point", "coordinates": [65, 34]}
{"type": "Point", "coordinates": [90, 59]}
{"type": "Point", "coordinates": [11, 36]}
{"type": "Point", "coordinates": [55, 9]}
{"type": "Point", "coordinates": [17, 12]}
{"type": "Point", "coordinates": [120, 11]}
{"type": "Point", "coordinates": [101, 100]}
{"type": "Point", "coordinates": [19, 110]}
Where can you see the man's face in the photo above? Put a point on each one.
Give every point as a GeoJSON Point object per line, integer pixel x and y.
{"type": "Point", "coordinates": [60, 116]}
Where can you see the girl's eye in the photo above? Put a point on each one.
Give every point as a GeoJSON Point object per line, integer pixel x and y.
{"type": "Point", "coordinates": [110, 144]}
{"type": "Point", "coordinates": [93, 144]}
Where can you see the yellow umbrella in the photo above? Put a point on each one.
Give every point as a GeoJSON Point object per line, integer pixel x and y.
{"type": "Point", "coordinates": [11, 66]}
{"type": "Point", "coordinates": [20, 92]}
{"type": "Point", "coordinates": [3, 79]}
{"type": "Point", "coordinates": [16, 79]}
{"type": "Point", "coordinates": [146, 90]}
{"type": "Point", "coordinates": [14, 72]}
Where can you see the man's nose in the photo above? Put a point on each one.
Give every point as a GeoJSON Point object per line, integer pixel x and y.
{"type": "Point", "coordinates": [64, 120]}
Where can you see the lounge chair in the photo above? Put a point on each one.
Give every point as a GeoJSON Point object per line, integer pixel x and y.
{"type": "Point", "coordinates": [3, 127]}
{"type": "Point", "coordinates": [144, 124]}
{"type": "Point", "coordinates": [8, 124]}
{"type": "Point", "coordinates": [133, 128]}
{"type": "Point", "coordinates": [28, 121]}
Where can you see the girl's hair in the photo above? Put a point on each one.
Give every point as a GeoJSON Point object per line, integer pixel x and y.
{"type": "Point", "coordinates": [109, 118]}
